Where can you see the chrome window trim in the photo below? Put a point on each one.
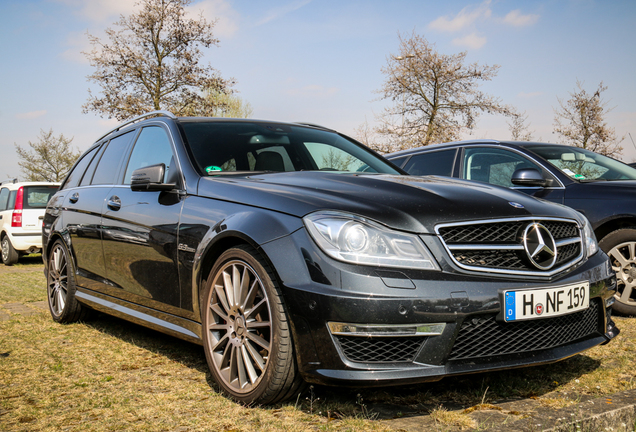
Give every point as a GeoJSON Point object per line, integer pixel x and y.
{"type": "Point", "coordinates": [527, 156]}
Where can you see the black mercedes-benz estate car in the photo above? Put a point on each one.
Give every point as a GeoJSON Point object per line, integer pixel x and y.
{"type": "Point", "coordinates": [292, 254]}
{"type": "Point", "coordinates": [601, 188]}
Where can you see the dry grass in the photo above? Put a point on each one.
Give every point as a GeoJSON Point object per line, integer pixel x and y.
{"type": "Point", "coordinates": [108, 374]}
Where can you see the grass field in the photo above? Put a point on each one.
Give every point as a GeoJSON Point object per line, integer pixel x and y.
{"type": "Point", "coordinates": [108, 375]}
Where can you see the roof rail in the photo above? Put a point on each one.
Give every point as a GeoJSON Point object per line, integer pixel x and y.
{"type": "Point", "coordinates": [159, 113]}
{"type": "Point", "coordinates": [313, 125]}
{"type": "Point", "coordinates": [14, 180]}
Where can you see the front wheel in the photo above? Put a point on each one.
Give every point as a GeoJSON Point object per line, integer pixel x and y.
{"type": "Point", "coordinates": [620, 246]}
{"type": "Point", "coordinates": [246, 335]}
{"type": "Point", "coordinates": [9, 254]}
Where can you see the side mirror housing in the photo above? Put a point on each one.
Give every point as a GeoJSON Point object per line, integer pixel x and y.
{"type": "Point", "coordinates": [150, 178]}
{"type": "Point", "coordinates": [529, 177]}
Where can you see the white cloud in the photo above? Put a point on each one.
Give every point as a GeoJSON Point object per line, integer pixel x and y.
{"type": "Point", "coordinates": [101, 10]}
{"type": "Point", "coordinates": [77, 43]}
{"type": "Point", "coordinates": [516, 19]}
{"type": "Point", "coordinates": [472, 40]}
{"type": "Point", "coordinates": [282, 11]}
{"type": "Point", "coordinates": [221, 11]}
{"type": "Point", "coordinates": [465, 18]}
{"type": "Point", "coordinates": [30, 115]}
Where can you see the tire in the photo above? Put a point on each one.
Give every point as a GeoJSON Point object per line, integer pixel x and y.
{"type": "Point", "coordinates": [9, 254]}
{"type": "Point", "coordinates": [61, 288]}
{"type": "Point", "coordinates": [246, 334]}
{"type": "Point", "coordinates": [620, 246]}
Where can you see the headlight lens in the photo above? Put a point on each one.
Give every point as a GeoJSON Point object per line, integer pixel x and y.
{"type": "Point", "coordinates": [591, 245]}
{"type": "Point", "coordinates": [356, 240]}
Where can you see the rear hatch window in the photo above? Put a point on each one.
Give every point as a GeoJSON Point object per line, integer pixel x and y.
{"type": "Point", "coordinates": [36, 197]}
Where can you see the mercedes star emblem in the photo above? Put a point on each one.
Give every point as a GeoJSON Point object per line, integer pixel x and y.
{"type": "Point", "coordinates": [540, 246]}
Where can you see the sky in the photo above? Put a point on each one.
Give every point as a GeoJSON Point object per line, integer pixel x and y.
{"type": "Point", "coordinates": [320, 61]}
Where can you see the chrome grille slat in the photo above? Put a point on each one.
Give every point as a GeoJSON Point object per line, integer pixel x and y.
{"type": "Point", "coordinates": [497, 246]}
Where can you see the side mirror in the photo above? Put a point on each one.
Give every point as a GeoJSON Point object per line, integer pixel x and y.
{"type": "Point", "coordinates": [150, 178]}
{"type": "Point", "coordinates": [529, 177]}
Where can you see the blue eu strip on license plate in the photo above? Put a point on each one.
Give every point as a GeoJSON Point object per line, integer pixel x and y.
{"type": "Point", "coordinates": [546, 302]}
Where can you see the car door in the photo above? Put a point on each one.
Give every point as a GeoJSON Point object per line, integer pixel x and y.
{"type": "Point", "coordinates": [140, 230]}
{"type": "Point", "coordinates": [496, 166]}
{"type": "Point", "coordinates": [83, 206]}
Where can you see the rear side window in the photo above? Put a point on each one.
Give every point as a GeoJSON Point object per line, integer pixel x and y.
{"type": "Point", "coordinates": [4, 198]}
{"type": "Point", "coordinates": [74, 177]}
{"type": "Point", "coordinates": [110, 161]}
{"type": "Point", "coordinates": [36, 197]}
{"type": "Point", "coordinates": [433, 163]}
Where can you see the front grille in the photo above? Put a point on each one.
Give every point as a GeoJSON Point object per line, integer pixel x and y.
{"type": "Point", "coordinates": [483, 336]}
{"type": "Point", "coordinates": [497, 246]}
{"type": "Point", "coordinates": [379, 349]}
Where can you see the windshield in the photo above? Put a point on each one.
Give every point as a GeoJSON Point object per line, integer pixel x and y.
{"type": "Point", "coordinates": [584, 165]}
{"type": "Point", "coordinates": [229, 147]}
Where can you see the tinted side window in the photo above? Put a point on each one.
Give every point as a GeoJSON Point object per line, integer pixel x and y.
{"type": "Point", "coordinates": [74, 177]}
{"type": "Point", "coordinates": [152, 147]}
{"type": "Point", "coordinates": [4, 198]}
{"type": "Point", "coordinates": [110, 161]}
{"type": "Point", "coordinates": [494, 166]}
{"type": "Point", "coordinates": [399, 161]}
{"type": "Point", "coordinates": [433, 163]}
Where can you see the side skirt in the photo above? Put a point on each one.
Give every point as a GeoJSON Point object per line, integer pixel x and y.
{"type": "Point", "coordinates": [151, 318]}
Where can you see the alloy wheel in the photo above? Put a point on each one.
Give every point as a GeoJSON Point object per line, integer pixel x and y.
{"type": "Point", "coordinates": [240, 328]}
{"type": "Point", "coordinates": [58, 280]}
{"type": "Point", "coordinates": [623, 258]}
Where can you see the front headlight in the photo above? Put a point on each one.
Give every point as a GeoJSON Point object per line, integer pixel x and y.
{"type": "Point", "coordinates": [356, 240]}
{"type": "Point", "coordinates": [589, 239]}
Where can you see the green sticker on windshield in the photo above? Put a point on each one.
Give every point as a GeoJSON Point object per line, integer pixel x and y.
{"type": "Point", "coordinates": [212, 168]}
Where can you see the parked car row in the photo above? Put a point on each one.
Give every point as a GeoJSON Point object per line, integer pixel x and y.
{"type": "Point", "coordinates": [601, 188]}
{"type": "Point", "coordinates": [294, 254]}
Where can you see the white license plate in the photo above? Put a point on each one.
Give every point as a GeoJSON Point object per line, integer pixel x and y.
{"type": "Point", "coordinates": [546, 302]}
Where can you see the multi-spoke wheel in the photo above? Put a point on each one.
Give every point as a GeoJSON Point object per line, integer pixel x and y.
{"type": "Point", "coordinates": [60, 284]}
{"type": "Point", "coordinates": [246, 335]}
{"type": "Point", "coordinates": [620, 246]}
{"type": "Point", "coordinates": [9, 254]}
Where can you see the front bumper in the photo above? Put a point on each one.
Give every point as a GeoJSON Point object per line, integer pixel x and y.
{"type": "Point", "coordinates": [473, 339]}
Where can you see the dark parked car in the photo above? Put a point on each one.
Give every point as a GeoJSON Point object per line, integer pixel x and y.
{"type": "Point", "coordinates": [292, 254]}
{"type": "Point", "coordinates": [601, 188]}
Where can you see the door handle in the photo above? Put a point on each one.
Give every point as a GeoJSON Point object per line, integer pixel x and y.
{"type": "Point", "coordinates": [74, 198]}
{"type": "Point", "coordinates": [114, 203]}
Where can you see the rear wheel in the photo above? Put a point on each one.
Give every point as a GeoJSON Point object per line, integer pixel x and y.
{"type": "Point", "coordinates": [9, 254]}
{"type": "Point", "coordinates": [246, 335]}
{"type": "Point", "coordinates": [620, 246]}
{"type": "Point", "coordinates": [60, 284]}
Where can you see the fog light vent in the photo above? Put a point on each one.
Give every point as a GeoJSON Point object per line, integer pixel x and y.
{"type": "Point", "coordinates": [374, 350]}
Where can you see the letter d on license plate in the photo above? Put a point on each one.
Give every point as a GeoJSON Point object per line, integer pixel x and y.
{"type": "Point", "coordinates": [546, 302]}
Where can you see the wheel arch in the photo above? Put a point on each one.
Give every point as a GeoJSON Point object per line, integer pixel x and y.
{"type": "Point", "coordinates": [616, 223]}
{"type": "Point", "coordinates": [253, 228]}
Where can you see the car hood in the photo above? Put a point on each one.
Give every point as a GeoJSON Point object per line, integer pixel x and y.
{"type": "Point", "coordinates": [408, 203]}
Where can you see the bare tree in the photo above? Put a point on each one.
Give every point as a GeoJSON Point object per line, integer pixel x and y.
{"type": "Point", "coordinates": [580, 122]}
{"type": "Point", "coordinates": [435, 95]}
{"type": "Point", "coordinates": [519, 131]}
{"type": "Point", "coordinates": [151, 62]}
{"type": "Point", "coordinates": [49, 159]}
